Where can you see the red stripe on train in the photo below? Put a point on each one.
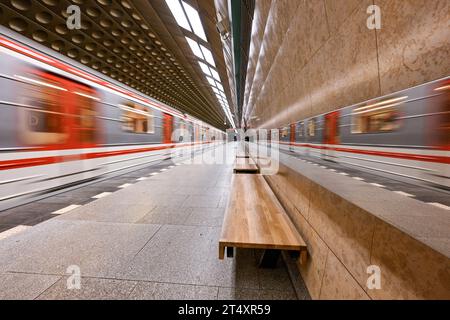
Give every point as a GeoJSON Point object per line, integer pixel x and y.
{"type": "Point", "coordinates": [398, 155]}
{"type": "Point", "coordinates": [23, 163]}
{"type": "Point", "coordinates": [60, 65]}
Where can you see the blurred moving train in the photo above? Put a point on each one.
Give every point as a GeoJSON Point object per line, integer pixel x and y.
{"type": "Point", "coordinates": [61, 124]}
{"type": "Point", "coordinates": [405, 134]}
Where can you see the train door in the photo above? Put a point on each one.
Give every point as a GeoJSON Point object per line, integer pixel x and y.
{"type": "Point", "coordinates": [331, 135]}
{"type": "Point", "coordinates": [292, 137]}
{"type": "Point", "coordinates": [84, 126]}
{"type": "Point", "coordinates": [59, 122]}
{"type": "Point", "coordinates": [443, 130]}
{"type": "Point", "coordinates": [300, 137]}
{"type": "Point", "coordinates": [438, 135]}
{"type": "Point", "coordinates": [167, 128]}
{"type": "Point", "coordinates": [46, 125]}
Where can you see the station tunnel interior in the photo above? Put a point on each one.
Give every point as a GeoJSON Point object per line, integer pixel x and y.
{"type": "Point", "coordinates": [180, 118]}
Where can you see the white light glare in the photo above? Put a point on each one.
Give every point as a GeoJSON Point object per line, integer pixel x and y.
{"type": "Point", "coordinates": [204, 68]}
{"type": "Point", "coordinates": [86, 95]}
{"type": "Point", "coordinates": [178, 13]}
{"type": "Point", "coordinates": [211, 81]}
{"type": "Point", "coordinates": [195, 21]}
{"type": "Point", "coordinates": [195, 48]}
{"type": "Point", "coordinates": [215, 74]}
{"type": "Point", "coordinates": [227, 111]}
{"type": "Point", "coordinates": [42, 83]}
{"type": "Point", "coordinates": [219, 85]}
{"type": "Point", "coordinates": [208, 55]}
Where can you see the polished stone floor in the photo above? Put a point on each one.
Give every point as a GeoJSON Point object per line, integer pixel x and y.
{"type": "Point", "coordinates": [156, 238]}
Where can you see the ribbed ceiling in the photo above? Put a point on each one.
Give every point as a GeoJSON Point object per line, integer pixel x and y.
{"type": "Point", "coordinates": [135, 42]}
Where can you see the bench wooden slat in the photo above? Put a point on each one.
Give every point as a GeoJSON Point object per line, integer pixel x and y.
{"type": "Point", "coordinates": [242, 154]}
{"type": "Point", "coordinates": [246, 165]}
{"type": "Point", "coordinates": [254, 218]}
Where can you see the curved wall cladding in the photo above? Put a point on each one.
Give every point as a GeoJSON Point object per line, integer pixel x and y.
{"type": "Point", "coordinates": [310, 57]}
{"type": "Point", "coordinates": [114, 39]}
{"type": "Point", "coordinates": [346, 232]}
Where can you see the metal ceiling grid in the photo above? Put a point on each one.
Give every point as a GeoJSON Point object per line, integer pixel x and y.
{"type": "Point", "coordinates": [117, 40]}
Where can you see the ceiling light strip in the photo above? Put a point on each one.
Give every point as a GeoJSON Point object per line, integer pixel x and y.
{"type": "Point", "coordinates": [179, 14]}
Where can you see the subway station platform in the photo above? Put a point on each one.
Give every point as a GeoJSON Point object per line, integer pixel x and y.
{"type": "Point", "coordinates": [154, 239]}
{"type": "Point", "coordinates": [225, 149]}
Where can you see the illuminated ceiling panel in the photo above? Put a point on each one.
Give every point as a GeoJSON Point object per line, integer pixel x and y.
{"type": "Point", "coordinates": [206, 70]}
{"type": "Point", "coordinates": [178, 12]}
{"type": "Point", "coordinates": [194, 20]}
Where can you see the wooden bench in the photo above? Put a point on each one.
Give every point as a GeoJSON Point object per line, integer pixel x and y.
{"type": "Point", "coordinates": [254, 218]}
{"type": "Point", "coordinates": [242, 154]}
{"type": "Point", "coordinates": [245, 165]}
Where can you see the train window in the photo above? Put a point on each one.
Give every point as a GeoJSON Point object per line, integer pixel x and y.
{"type": "Point", "coordinates": [444, 125]}
{"type": "Point", "coordinates": [444, 131]}
{"type": "Point", "coordinates": [300, 129]}
{"type": "Point", "coordinates": [311, 127]}
{"type": "Point", "coordinates": [203, 131]}
{"type": "Point", "coordinates": [86, 117]}
{"type": "Point", "coordinates": [375, 121]}
{"type": "Point", "coordinates": [44, 122]}
{"type": "Point", "coordinates": [284, 132]}
{"type": "Point", "coordinates": [150, 122]}
{"type": "Point", "coordinates": [182, 131]}
{"type": "Point", "coordinates": [137, 119]}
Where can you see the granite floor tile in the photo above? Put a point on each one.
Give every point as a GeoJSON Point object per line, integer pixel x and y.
{"type": "Point", "coordinates": [223, 183]}
{"type": "Point", "coordinates": [254, 294]}
{"type": "Point", "coordinates": [150, 187]}
{"type": "Point", "coordinates": [212, 217]}
{"type": "Point", "coordinates": [23, 286]}
{"type": "Point", "coordinates": [202, 201]}
{"type": "Point", "coordinates": [275, 279]}
{"type": "Point", "coordinates": [167, 215]}
{"type": "Point", "coordinates": [201, 191]}
{"type": "Point", "coordinates": [90, 289]}
{"type": "Point", "coordinates": [104, 210]}
{"type": "Point", "coordinates": [148, 197]}
{"type": "Point", "coordinates": [189, 255]}
{"type": "Point", "coordinates": [171, 291]}
{"type": "Point", "coordinates": [100, 249]}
